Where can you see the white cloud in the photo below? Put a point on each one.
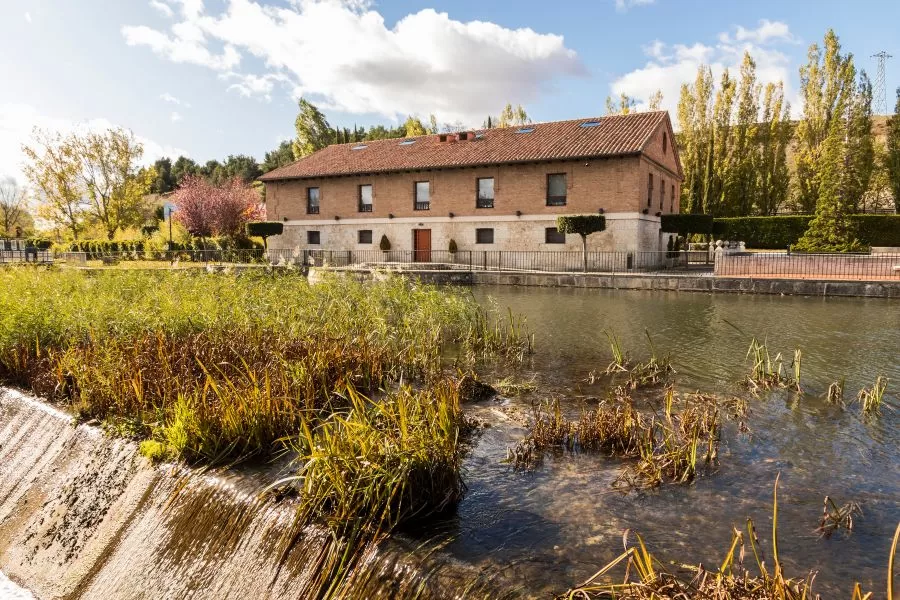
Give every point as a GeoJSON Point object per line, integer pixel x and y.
{"type": "Point", "coordinates": [672, 65]}
{"type": "Point", "coordinates": [623, 5]}
{"type": "Point", "coordinates": [163, 8]}
{"type": "Point", "coordinates": [167, 97]}
{"type": "Point", "coordinates": [17, 122]}
{"type": "Point", "coordinates": [766, 32]}
{"type": "Point", "coordinates": [341, 54]}
{"type": "Point", "coordinates": [28, 17]}
{"type": "Point", "coordinates": [175, 116]}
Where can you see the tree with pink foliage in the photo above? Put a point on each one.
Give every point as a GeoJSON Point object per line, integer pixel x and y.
{"type": "Point", "coordinates": [207, 210]}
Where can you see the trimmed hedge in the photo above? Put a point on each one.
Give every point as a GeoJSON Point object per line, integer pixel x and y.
{"type": "Point", "coordinates": [687, 223]}
{"type": "Point", "coordinates": [581, 224]}
{"type": "Point", "coordinates": [139, 246]}
{"type": "Point", "coordinates": [779, 232]}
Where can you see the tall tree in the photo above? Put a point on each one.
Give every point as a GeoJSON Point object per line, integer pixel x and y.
{"type": "Point", "coordinates": [111, 177]}
{"type": "Point", "coordinates": [184, 167]}
{"type": "Point", "coordinates": [892, 159]}
{"type": "Point", "coordinates": [825, 78]}
{"type": "Point", "coordinates": [624, 107]}
{"type": "Point", "coordinates": [313, 130]}
{"type": "Point", "coordinates": [53, 172]}
{"type": "Point", "coordinates": [831, 230]}
{"type": "Point", "coordinates": [740, 180]}
{"type": "Point", "coordinates": [241, 166]}
{"type": "Point", "coordinates": [860, 149]}
{"type": "Point", "coordinates": [774, 138]}
{"type": "Point", "coordinates": [165, 180]}
{"type": "Point", "coordinates": [414, 127]}
{"type": "Point", "coordinates": [279, 157]}
{"type": "Point", "coordinates": [694, 110]}
{"type": "Point", "coordinates": [513, 116]}
{"type": "Point", "coordinates": [655, 100]}
{"type": "Point", "coordinates": [719, 157]}
{"type": "Point", "coordinates": [13, 206]}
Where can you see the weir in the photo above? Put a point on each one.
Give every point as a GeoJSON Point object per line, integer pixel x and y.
{"type": "Point", "coordinates": [84, 515]}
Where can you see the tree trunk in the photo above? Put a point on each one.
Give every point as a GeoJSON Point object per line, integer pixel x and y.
{"type": "Point", "coordinates": [584, 250]}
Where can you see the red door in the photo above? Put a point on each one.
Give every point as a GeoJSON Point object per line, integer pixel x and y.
{"type": "Point", "coordinates": [422, 245]}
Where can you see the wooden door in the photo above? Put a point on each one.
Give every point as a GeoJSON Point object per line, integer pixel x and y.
{"type": "Point", "coordinates": [422, 245]}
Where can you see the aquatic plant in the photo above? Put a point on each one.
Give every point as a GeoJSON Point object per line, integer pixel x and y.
{"type": "Point", "coordinates": [836, 517]}
{"type": "Point", "coordinates": [668, 449]}
{"type": "Point", "coordinates": [836, 392]}
{"type": "Point", "coordinates": [510, 386]}
{"type": "Point", "coordinates": [218, 367]}
{"type": "Point", "coordinates": [871, 398]}
{"type": "Point", "coordinates": [620, 357]}
{"type": "Point", "coordinates": [768, 371]}
{"type": "Point", "coordinates": [647, 577]}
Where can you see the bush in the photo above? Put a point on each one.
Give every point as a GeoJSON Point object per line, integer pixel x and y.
{"type": "Point", "coordinates": [137, 248]}
{"type": "Point", "coordinates": [453, 249]}
{"type": "Point", "coordinates": [581, 224]}
{"type": "Point", "coordinates": [782, 231]}
{"type": "Point", "coordinates": [264, 229]}
{"type": "Point", "coordinates": [763, 232]}
{"type": "Point", "coordinates": [878, 230]}
{"type": "Point", "coordinates": [686, 224]}
{"type": "Point", "coordinates": [384, 244]}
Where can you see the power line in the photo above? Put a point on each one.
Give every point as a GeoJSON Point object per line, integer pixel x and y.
{"type": "Point", "coordinates": [879, 89]}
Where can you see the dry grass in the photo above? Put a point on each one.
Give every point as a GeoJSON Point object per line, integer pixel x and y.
{"type": "Point", "coordinates": [647, 578]}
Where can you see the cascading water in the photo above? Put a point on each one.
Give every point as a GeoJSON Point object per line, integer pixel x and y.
{"type": "Point", "coordinates": [83, 515]}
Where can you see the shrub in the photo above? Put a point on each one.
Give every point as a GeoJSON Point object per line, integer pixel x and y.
{"type": "Point", "coordinates": [264, 229]}
{"type": "Point", "coordinates": [583, 225]}
{"type": "Point", "coordinates": [686, 224]}
{"type": "Point", "coordinates": [782, 231]}
{"type": "Point", "coordinates": [763, 232]}
{"type": "Point", "coordinates": [384, 244]}
{"type": "Point", "coordinates": [452, 247]}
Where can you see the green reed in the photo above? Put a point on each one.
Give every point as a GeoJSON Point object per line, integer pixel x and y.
{"type": "Point", "coordinates": [230, 363]}
{"type": "Point", "coordinates": [871, 398]}
{"type": "Point", "coordinates": [769, 371]}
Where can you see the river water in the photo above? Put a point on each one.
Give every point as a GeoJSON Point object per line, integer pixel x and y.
{"type": "Point", "coordinates": [536, 532]}
{"type": "Point", "coordinates": [554, 527]}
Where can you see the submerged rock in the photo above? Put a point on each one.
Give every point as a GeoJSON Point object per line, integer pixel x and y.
{"type": "Point", "coordinates": [472, 390]}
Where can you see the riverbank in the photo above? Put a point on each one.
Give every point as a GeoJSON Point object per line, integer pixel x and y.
{"type": "Point", "coordinates": [705, 283]}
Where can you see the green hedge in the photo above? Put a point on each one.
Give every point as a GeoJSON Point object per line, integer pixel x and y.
{"type": "Point", "coordinates": [581, 224]}
{"type": "Point", "coordinates": [783, 231]}
{"type": "Point", "coordinates": [138, 247]}
{"type": "Point", "coordinates": [687, 223]}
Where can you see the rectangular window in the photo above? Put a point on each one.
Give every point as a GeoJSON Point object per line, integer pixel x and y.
{"type": "Point", "coordinates": [556, 189]}
{"type": "Point", "coordinates": [312, 201]}
{"type": "Point", "coordinates": [423, 195]}
{"type": "Point", "coordinates": [484, 236]}
{"type": "Point", "coordinates": [312, 238]}
{"type": "Point", "coordinates": [552, 235]}
{"type": "Point", "coordinates": [484, 192]}
{"type": "Point", "coordinates": [650, 190]}
{"type": "Point", "coordinates": [365, 236]}
{"type": "Point", "coordinates": [672, 200]}
{"type": "Point", "coordinates": [662, 192]}
{"type": "Point", "coordinates": [365, 198]}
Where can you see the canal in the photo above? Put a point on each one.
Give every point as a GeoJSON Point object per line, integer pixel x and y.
{"type": "Point", "coordinates": [555, 526]}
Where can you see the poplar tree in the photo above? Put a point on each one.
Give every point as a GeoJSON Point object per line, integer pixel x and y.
{"type": "Point", "coordinates": [774, 137]}
{"type": "Point", "coordinates": [694, 107]}
{"type": "Point", "coordinates": [313, 130]}
{"type": "Point", "coordinates": [743, 159]}
{"type": "Point", "coordinates": [892, 157]}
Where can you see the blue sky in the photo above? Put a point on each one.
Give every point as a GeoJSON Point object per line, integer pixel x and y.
{"type": "Point", "coordinates": [210, 78]}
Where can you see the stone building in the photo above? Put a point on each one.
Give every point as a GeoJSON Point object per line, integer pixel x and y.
{"type": "Point", "coordinates": [491, 190]}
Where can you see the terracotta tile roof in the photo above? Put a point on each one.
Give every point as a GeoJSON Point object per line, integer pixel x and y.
{"type": "Point", "coordinates": [559, 140]}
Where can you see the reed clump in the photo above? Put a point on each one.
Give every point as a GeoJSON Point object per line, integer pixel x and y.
{"type": "Point", "coordinates": [836, 517]}
{"type": "Point", "coordinates": [872, 398]}
{"type": "Point", "coordinates": [669, 448]}
{"type": "Point", "coordinates": [217, 366]}
{"type": "Point", "coordinates": [769, 371]}
{"type": "Point", "coordinates": [646, 577]}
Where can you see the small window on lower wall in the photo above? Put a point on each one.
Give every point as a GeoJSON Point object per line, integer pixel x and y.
{"type": "Point", "coordinates": [365, 236]}
{"type": "Point", "coordinates": [312, 238]}
{"type": "Point", "coordinates": [552, 235]}
{"type": "Point", "coordinates": [484, 236]}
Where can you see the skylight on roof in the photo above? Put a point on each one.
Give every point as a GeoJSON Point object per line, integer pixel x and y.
{"type": "Point", "coordinates": [590, 123]}
{"type": "Point", "coordinates": [407, 142]}
{"type": "Point", "coordinates": [525, 130]}
{"type": "Point", "coordinates": [359, 147]}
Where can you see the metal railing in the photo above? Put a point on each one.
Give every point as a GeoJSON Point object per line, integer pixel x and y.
{"type": "Point", "coordinates": [365, 207]}
{"type": "Point", "coordinates": [502, 260]}
{"type": "Point", "coordinates": [422, 206]}
{"type": "Point", "coordinates": [854, 267]}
